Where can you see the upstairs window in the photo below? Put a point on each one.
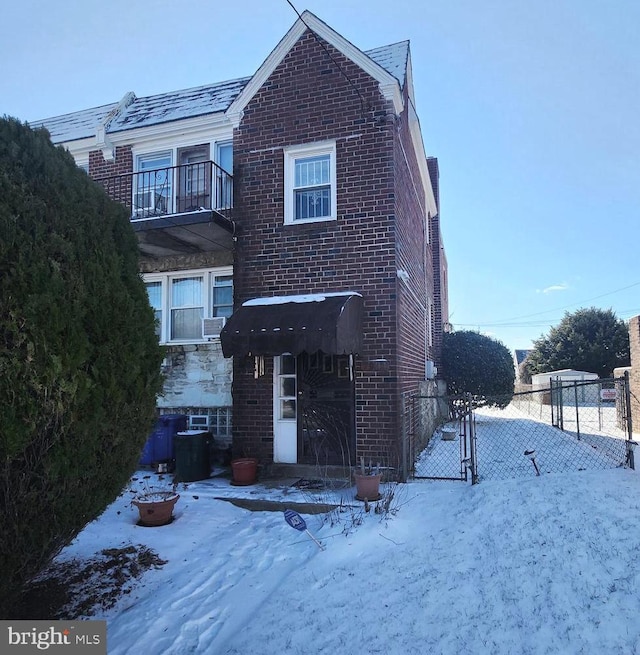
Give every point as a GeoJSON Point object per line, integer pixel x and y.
{"type": "Point", "coordinates": [153, 185]}
{"type": "Point", "coordinates": [310, 183]}
{"type": "Point", "coordinates": [224, 179]}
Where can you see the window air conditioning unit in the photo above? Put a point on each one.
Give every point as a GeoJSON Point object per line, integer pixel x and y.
{"type": "Point", "coordinates": [150, 202]}
{"type": "Point", "coordinates": [431, 370]}
{"type": "Point", "coordinates": [198, 422]}
{"type": "Point", "coordinates": [211, 327]}
{"type": "Point", "coordinates": [144, 202]}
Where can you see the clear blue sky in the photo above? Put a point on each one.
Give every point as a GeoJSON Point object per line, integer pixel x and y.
{"type": "Point", "coordinates": [533, 110]}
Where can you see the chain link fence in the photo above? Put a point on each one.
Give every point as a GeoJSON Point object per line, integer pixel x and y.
{"type": "Point", "coordinates": [567, 427]}
{"type": "Point", "coordinates": [438, 436]}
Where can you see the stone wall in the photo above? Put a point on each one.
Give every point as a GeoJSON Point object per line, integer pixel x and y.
{"type": "Point", "coordinates": [197, 375]}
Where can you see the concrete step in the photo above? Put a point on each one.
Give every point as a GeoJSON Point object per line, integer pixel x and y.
{"type": "Point", "coordinates": [307, 472]}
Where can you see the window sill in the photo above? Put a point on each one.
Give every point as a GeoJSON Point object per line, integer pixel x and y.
{"type": "Point", "coordinates": [191, 342]}
{"type": "Point", "coordinates": [305, 221]}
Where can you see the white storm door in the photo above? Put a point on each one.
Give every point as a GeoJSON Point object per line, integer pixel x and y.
{"type": "Point", "coordinates": [285, 410]}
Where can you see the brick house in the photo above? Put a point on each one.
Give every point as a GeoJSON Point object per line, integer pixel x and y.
{"type": "Point", "coordinates": [297, 213]}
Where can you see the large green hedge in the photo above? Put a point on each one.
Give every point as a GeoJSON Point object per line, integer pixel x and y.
{"type": "Point", "coordinates": [477, 364]}
{"type": "Point", "coordinates": [79, 359]}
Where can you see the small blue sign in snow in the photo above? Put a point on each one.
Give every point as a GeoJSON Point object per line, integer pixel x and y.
{"type": "Point", "coordinates": [295, 520]}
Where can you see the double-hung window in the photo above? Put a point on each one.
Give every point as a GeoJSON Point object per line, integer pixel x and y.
{"type": "Point", "coordinates": [187, 308]}
{"type": "Point", "coordinates": [310, 183]}
{"type": "Point", "coordinates": [182, 299]}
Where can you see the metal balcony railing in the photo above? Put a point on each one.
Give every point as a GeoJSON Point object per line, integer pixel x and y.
{"type": "Point", "coordinates": [172, 190]}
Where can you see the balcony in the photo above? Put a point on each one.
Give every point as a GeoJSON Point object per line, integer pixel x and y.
{"type": "Point", "coordinates": [179, 209]}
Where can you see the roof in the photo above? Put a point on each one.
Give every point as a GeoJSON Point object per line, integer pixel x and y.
{"type": "Point", "coordinates": [393, 58]}
{"type": "Point", "coordinates": [566, 372]}
{"type": "Point", "coordinates": [521, 355]}
{"type": "Point", "coordinates": [78, 125]}
{"type": "Point", "coordinates": [185, 103]}
{"type": "Point", "coordinates": [176, 105]}
{"type": "Point", "coordinates": [330, 322]}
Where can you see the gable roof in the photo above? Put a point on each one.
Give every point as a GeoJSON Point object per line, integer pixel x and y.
{"type": "Point", "coordinates": [185, 103]}
{"type": "Point", "coordinates": [521, 354]}
{"type": "Point", "coordinates": [393, 58]}
{"type": "Point", "coordinates": [389, 82]}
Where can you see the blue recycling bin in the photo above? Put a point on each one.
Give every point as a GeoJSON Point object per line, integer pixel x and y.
{"type": "Point", "coordinates": [159, 446]}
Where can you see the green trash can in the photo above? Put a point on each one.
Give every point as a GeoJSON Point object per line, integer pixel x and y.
{"type": "Point", "coordinates": [191, 449]}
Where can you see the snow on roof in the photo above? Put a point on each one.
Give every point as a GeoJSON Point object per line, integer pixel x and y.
{"type": "Point", "coordinates": [177, 105]}
{"type": "Point", "coordinates": [393, 58]}
{"type": "Point", "coordinates": [566, 372]}
{"type": "Point", "coordinates": [77, 125]}
{"type": "Point", "coordinates": [309, 297]}
{"type": "Point", "coordinates": [185, 103]}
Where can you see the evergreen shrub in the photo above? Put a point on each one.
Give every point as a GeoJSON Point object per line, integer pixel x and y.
{"type": "Point", "coordinates": [79, 358]}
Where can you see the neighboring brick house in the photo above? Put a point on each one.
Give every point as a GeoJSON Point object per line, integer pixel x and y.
{"type": "Point", "coordinates": [333, 243]}
{"type": "Point", "coordinates": [634, 373]}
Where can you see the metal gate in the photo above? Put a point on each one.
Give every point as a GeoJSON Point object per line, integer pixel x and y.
{"type": "Point", "coordinates": [439, 437]}
{"type": "Point", "coordinates": [326, 416]}
{"type": "Point", "coordinates": [566, 427]}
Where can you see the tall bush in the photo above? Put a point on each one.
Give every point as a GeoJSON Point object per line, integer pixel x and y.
{"type": "Point", "coordinates": [476, 364]}
{"type": "Point", "coordinates": [79, 359]}
{"type": "Point", "coordinates": [592, 339]}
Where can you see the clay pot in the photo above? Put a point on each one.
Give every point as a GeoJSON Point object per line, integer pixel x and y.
{"type": "Point", "coordinates": [245, 471]}
{"type": "Point", "coordinates": [156, 508]}
{"type": "Point", "coordinates": [367, 486]}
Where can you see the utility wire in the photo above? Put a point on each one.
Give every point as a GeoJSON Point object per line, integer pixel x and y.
{"type": "Point", "coordinates": [507, 322]}
{"type": "Point", "coordinates": [317, 38]}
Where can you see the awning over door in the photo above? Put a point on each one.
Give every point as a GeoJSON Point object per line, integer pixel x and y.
{"type": "Point", "coordinates": [330, 322]}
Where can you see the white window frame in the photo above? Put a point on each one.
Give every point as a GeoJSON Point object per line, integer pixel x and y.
{"type": "Point", "coordinates": [172, 148]}
{"type": "Point", "coordinates": [212, 293]}
{"type": "Point", "coordinates": [291, 155]}
{"type": "Point", "coordinates": [208, 275]}
{"type": "Point", "coordinates": [223, 195]}
{"type": "Point", "coordinates": [170, 154]}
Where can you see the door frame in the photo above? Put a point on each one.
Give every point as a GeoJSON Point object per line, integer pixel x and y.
{"type": "Point", "coordinates": [285, 400]}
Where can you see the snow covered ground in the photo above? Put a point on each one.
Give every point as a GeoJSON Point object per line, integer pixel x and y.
{"type": "Point", "coordinates": [531, 565]}
{"type": "Point", "coordinates": [503, 436]}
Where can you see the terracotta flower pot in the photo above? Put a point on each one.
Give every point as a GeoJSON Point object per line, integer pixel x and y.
{"type": "Point", "coordinates": [156, 508]}
{"type": "Point", "coordinates": [367, 486]}
{"type": "Point", "coordinates": [245, 471]}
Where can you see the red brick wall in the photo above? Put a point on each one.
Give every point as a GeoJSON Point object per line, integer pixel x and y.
{"type": "Point", "coordinates": [118, 188]}
{"type": "Point", "coordinates": [414, 257]}
{"type": "Point", "coordinates": [252, 410]}
{"type": "Point", "coordinates": [306, 100]}
{"type": "Point", "coordinates": [122, 163]}
{"type": "Point", "coordinates": [440, 283]}
{"type": "Point", "coordinates": [634, 376]}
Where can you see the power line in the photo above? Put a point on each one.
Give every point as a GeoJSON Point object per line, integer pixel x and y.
{"type": "Point", "coordinates": [510, 322]}
{"type": "Point", "coordinates": [317, 38]}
